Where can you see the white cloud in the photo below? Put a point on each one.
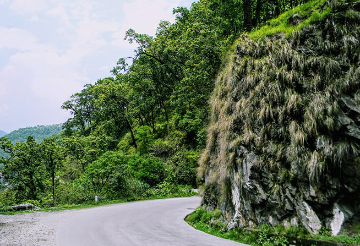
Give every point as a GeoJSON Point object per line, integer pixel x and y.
{"type": "Point", "coordinates": [40, 83]}
{"type": "Point", "coordinates": [21, 40]}
{"type": "Point", "coordinates": [28, 7]}
{"type": "Point", "coordinates": [60, 13]}
{"type": "Point", "coordinates": [144, 16]}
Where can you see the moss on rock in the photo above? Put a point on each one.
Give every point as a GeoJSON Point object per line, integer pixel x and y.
{"type": "Point", "coordinates": [284, 137]}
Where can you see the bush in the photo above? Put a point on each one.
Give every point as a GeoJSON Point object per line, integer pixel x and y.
{"type": "Point", "coordinates": [182, 167]}
{"type": "Point", "coordinates": [147, 169]}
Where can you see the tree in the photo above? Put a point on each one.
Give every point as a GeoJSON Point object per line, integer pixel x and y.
{"type": "Point", "coordinates": [108, 174]}
{"type": "Point", "coordinates": [52, 156]}
{"type": "Point", "coordinates": [113, 105]}
{"type": "Point", "coordinates": [23, 169]}
{"type": "Point", "coordinates": [81, 106]}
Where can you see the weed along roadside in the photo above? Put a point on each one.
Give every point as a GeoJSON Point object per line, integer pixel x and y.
{"type": "Point", "coordinates": [265, 235]}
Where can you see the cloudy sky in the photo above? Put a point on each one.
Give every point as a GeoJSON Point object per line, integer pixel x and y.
{"type": "Point", "coordinates": [49, 49]}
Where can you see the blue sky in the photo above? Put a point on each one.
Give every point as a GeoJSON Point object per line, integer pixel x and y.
{"type": "Point", "coordinates": [49, 49]}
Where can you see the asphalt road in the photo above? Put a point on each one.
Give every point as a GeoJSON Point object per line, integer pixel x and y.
{"type": "Point", "coordinates": [145, 223]}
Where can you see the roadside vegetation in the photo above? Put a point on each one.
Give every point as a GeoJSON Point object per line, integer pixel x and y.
{"type": "Point", "coordinates": [265, 235]}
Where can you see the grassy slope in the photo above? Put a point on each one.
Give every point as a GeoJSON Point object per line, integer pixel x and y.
{"type": "Point", "coordinates": [308, 13]}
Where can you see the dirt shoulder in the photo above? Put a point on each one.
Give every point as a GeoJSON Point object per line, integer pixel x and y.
{"type": "Point", "coordinates": [37, 228]}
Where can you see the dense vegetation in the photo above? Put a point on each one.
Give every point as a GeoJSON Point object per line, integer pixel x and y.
{"type": "Point", "coordinates": [140, 131]}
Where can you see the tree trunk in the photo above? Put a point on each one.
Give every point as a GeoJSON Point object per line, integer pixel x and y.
{"type": "Point", "coordinates": [257, 13]}
{"type": "Point", "coordinates": [247, 15]}
{"type": "Point", "coordinates": [131, 132]}
{"type": "Point", "coordinates": [277, 7]}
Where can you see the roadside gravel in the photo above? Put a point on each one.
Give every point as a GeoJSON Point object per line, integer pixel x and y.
{"type": "Point", "coordinates": [36, 228]}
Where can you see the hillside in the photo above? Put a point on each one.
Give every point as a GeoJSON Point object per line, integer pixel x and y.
{"type": "Point", "coordinates": [38, 132]}
{"type": "Point", "coordinates": [283, 141]}
{"type": "Point", "coordinates": [2, 133]}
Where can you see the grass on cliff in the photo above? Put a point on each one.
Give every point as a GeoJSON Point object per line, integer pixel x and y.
{"type": "Point", "coordinates": [307, 13]}
{"type": "Point", "coordinates": [265, 235]}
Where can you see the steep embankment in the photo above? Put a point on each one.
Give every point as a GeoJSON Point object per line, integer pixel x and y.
{"type": "Point", "coordinates": [284, 136]}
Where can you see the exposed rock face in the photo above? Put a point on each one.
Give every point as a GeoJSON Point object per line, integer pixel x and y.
{"type": "Point", "coordinates": [284, 137]}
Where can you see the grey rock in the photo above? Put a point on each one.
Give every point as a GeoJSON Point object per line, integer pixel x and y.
{"type": "Point", "coordinates": [337, 221]}
{"type": "Point", "coordinates": [308, 217]}
{"type": "Point", "coordinates": [25, 206]}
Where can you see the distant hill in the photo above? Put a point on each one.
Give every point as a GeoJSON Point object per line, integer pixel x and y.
{"type": "Point", "coordinates": [38, 132]}
{"type": "Point", "coordinates": [2, 133]}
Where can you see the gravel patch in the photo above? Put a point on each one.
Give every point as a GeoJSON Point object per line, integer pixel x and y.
{"type": "Point", "coordinates": [36, 228]}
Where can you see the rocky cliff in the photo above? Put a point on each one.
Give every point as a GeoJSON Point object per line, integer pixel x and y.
{"type": "Point", "coordinates": [284, 137]}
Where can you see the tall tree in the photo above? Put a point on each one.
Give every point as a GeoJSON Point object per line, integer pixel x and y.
{"type": "Point", "coordinates": [52, 155]}
{"type": "Point", "coordinates": [23, 169]}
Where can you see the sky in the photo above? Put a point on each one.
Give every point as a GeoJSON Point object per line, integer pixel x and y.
{"type": "Point", "coordinates": [49, 49]}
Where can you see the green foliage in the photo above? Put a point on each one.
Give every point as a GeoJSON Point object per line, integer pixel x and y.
{"type": "Point", "coordinates": [181, 167]}
{"type": "Point", "coordinates": [266, 237]}
{"type": "Point", "coordinates": [144, 138]}
{"type": "Point", "coordinates": [146, 169]}
{"type": "Point", "coordinates": [24, 171]}
{"type": "Point", "coordinates": [109, 174]}
{"type": "Point", "coordinates": [168, 189]}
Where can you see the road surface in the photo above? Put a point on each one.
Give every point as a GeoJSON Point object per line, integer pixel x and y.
{"type": "Point", "coordinates": [145, 223]}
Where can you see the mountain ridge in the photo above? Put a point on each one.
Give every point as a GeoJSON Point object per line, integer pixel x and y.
{"type": "Point", "coordinates": [2, 133]}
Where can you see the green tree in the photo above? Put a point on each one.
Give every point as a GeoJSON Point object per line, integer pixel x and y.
{"type": "Point", "coordinates": [52, 156]}
{"type": "Point", "coordinates": [147, 169]}
{"type": "Point", "coordinates": [23, 169]}
{"type": "Point", "coordinates": [81, 106]}
{"type": "Point", "coordinates": [107, 175]}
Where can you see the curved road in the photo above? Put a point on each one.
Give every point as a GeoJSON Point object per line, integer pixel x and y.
{"type": "Point", "coordinates": [145, 223]}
